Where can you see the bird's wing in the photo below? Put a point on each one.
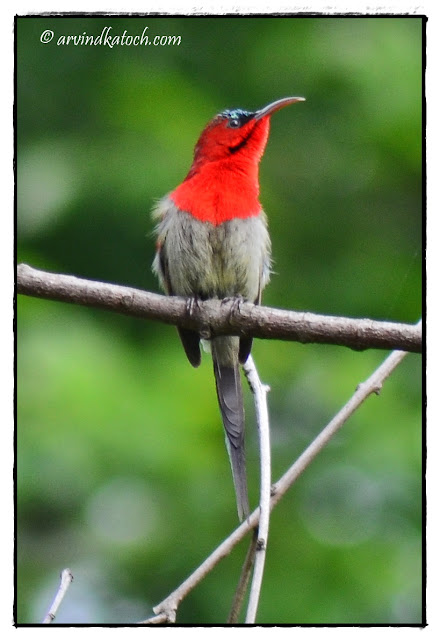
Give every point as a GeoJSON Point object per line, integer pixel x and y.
{"type": "Point", "coordinates": [190, 339]}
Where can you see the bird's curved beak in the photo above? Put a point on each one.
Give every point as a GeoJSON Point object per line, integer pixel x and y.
{"type": "Point", "coordinates": [275, 106]}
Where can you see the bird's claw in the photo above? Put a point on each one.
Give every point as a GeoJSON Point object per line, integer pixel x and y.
{"type": "Point", "coordinates": [192, 305]}
{"type": "Point", "coordinates": [236, 301]}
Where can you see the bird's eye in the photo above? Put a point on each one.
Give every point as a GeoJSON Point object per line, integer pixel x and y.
{"type": "Point", "coordinates": [234, 123]}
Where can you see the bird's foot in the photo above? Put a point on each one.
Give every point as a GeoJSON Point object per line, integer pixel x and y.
{"type": "Point", "coordinates": [236, 301]}
{"type": "Point", "coordinates": [192, 305]}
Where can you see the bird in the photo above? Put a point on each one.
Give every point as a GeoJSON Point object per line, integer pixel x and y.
{"type": "Point", "coordinates": [213, 243]}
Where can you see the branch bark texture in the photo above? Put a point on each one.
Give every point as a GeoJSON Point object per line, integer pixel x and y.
{"type": "Point", "coordinates": [218, 317]}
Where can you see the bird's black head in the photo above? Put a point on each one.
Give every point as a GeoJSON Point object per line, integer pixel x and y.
{"type": "Point", "coordinates": [236, 118]}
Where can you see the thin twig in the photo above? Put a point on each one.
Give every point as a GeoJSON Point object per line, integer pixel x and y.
{"type": "Point", "coordinates": [243, 582]}
{"type": "Point", "coordinates": [161, 618]}
{"type": "Point", "coordinates": [372, 385]}
{"type": "Point", "coordinates": [66, 580]}
{"type": "Point", "coordinates": [215, 317]}
{"type": "Point", "coordinates": [260, 397]}
{"type": "Point", "coordinates": [257, 549]}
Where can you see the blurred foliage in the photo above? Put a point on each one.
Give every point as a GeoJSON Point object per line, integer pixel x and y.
{"type": "Point", "coordinates": [119, 442]}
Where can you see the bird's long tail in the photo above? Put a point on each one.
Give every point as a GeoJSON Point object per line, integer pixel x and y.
{"type": "Point", "coordinates": [230, 397]}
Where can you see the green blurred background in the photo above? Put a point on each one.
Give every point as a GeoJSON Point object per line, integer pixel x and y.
{"type": "Point", "coordinates": [122, 473]}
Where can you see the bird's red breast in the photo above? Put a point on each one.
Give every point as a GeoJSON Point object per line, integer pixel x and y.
{"type": "Point", "coordinates": [222, 183]}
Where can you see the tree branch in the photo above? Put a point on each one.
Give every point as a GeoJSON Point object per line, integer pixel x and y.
{"type": "Point", "coordinates": [65, 582]}
{"type": "Point", "coordinates": [243, 582]}
{"type": "Point", "coordinates": [216, 317]}
{"type": "Point", "coordinates": [169, 606]}
{"type": "Point", "coordinates": [260, 391]}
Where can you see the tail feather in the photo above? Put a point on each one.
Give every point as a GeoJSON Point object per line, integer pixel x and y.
{"type": "Point", "coordinates": [230, 398]}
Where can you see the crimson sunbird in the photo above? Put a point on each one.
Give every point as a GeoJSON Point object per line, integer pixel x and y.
{"type": "Point", "coordinates": [213, 242]}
